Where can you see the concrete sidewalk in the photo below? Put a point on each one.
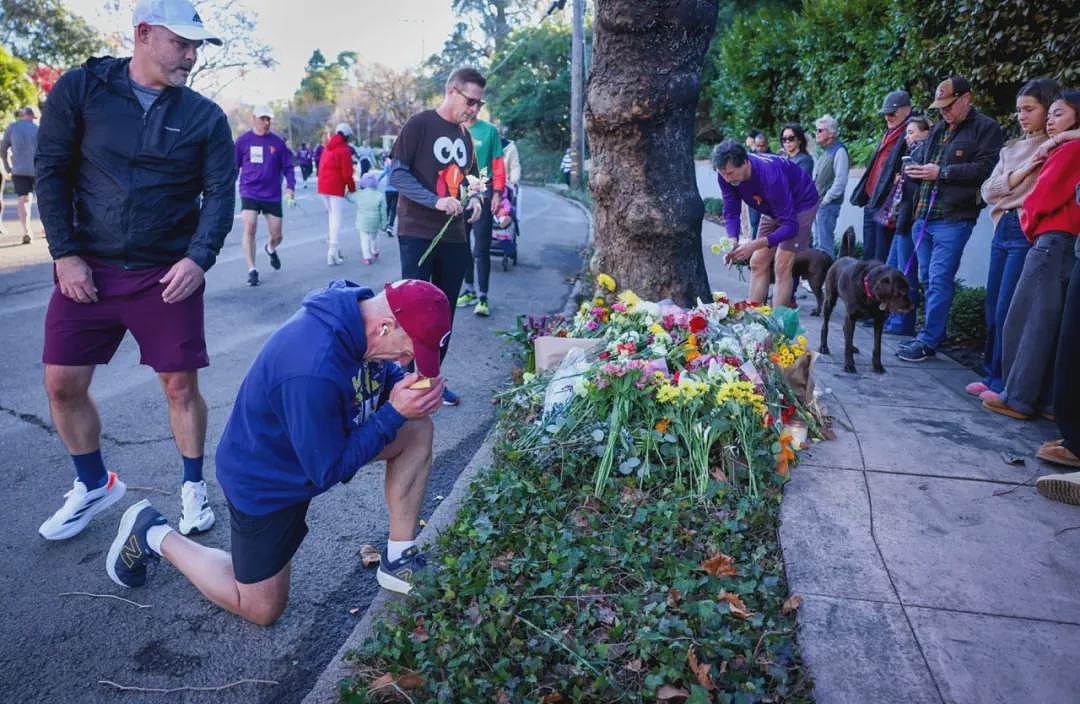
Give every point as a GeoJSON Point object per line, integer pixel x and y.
{"type": "Point", "coordinates": [930, 569]}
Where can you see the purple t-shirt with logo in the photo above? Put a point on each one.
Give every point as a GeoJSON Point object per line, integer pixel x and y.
{"type": "Point", "coordinates": [263, 161]}
{"type": "Point", "coordinates": [777, 187]}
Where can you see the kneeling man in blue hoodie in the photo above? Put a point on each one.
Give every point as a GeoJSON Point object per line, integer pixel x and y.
{"type": "Point", "coordinates": [325, 396]}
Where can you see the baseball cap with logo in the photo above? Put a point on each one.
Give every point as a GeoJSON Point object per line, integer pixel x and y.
{"type": "Point", "coordinates": [423, 312]}
{"type": "Point", "coordinates": [894, 101]}
{"type": "Point", "coordinates": [948, 91]}
{"type": "Point", "coordinates": [344, 128]}
{"type": "Point", "coordinates": [177, 16]}
{"type": "Point", "coordinates": [263, 111]}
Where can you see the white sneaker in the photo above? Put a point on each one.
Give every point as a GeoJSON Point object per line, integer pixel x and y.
{"type": "Point", "coordinates": [80, 506]}
{"type": "Point", "coordinates": [333, 257]}
{"type": "Point", "coordinates": [195, 512]}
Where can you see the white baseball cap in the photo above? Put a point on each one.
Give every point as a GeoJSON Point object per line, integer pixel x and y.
{"type": "Point", "coordinates": [263, 111]}
{"type": "Point", "coordinates": [344, 128]}
{"type": "Point", "coordinates": [177, 16]}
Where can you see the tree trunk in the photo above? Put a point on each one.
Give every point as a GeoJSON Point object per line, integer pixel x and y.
{"type": "Point", "coordinates": [643, 91]}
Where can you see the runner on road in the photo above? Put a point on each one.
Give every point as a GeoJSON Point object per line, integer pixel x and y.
{"type": "Point", "coordinates": [263, 159]}
{"type": "Point", "coordinates": [135, 176]}
{"type": "Point", "coordinates": [305, 159]}
{"type": "Point", "coordinates": [20, 143]}
{"type": "Point", "coordinates": [324, 397]}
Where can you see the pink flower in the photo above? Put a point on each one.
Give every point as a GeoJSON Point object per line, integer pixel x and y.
{"type": "Point", "coordinates": [656, 365]}
{"type": "Point", "coordinates": [592, 325]}
{"type": "Point", "coordinates": [618, 307]}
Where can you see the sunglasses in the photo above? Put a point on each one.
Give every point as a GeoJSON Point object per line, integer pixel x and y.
{"type": "Point", "coordinates": [789, 138]}
{"type": "Point", "coordinates": [471, 102]}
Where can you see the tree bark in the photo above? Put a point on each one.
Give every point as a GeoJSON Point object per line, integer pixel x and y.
{"type": "Point", "coordinates": [643, 91]}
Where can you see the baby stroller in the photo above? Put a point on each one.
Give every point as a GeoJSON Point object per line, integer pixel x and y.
{"type": "Point", "coordinates": [504, 231]}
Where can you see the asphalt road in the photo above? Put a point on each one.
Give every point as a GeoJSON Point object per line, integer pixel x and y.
{"type": "Point", "coordinates": [57, 648]}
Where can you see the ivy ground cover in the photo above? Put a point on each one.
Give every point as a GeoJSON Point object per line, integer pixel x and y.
{"type": "Point", "coordinates": [623, 546]}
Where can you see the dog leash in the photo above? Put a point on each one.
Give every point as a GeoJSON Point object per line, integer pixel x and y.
{"type": "Point", "coordinates": [922, 235]}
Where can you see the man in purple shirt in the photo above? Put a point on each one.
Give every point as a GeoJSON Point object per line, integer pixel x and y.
{"type": "Point", "coordinates": [787, 199]}
{"type": "Point", "coordinates": [262, 158]}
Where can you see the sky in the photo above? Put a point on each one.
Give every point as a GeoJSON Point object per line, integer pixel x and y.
{"type": "Point", "coordinates": [395, 33]}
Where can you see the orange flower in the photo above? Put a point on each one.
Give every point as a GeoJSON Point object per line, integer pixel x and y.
{"type": "Point", "coordinates": [691, 341]}
{"type": "Point", "coordinates": [662, 425]}
{"type": "Point", "coordinates": [693, 354]}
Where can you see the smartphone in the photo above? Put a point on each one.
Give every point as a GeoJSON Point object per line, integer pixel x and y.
{"type": "Point", "coordinates": [906, 161]}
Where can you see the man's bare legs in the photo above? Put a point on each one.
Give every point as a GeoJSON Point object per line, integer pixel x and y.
{"type": "Point", "coordinates": [782, 265]}
{"type": "Point", "coordinates": [187, 411]}
{"type": "Point", "coordinates": [763, 263]}
{"type": "Point", "coordinates": [251, 220]}
{"type": "Point", "coordinates": [408, 464]}
{"type": "Point", "coordinates": [22, 207]}
{"type": "Point", "coordinates": [74, 413]}
{"type": "Point", "coordinates": [273, 223]}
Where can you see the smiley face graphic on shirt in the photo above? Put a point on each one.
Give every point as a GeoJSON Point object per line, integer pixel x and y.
{"type": "Point", "coordinates": [454, 154]}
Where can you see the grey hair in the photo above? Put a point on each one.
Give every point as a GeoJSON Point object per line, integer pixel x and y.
{"type": "Point", "coordinates": [828, 122]}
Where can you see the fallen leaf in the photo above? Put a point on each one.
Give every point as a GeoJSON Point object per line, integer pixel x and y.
{"type": "Point", "coordinates": [634, 665]}
{"type": "Point", "coordinates": [410, 680]}
{"type": "Point", "coordinates": [420, 634]}
{"type": "Point", "coordinates": [738, 608]}
{"type": "Point", "coordinates": [700, 670]}
{"type": "Point", "coordinates": [353, 610]}
{"type": "Point", "coordinates": [674, 596]}
{"type": "Point", "coordinates": [369, 556]}
{"type": "Point", "coordinates": [605, 615]}
{"type": "Point", "coordinates": [501, 697]}
{"type": "Point", "coordinates": [473, 612]}
{"type": "Point", "coordinates": [720, 565]}
{"type": "Point", "coordinates": [791, 605]}
{"type": "Point", "coordinates": [551, 698]}
{"type": "Point", "coordinates": [502, 562]}
{"type": "Point", "coordinates": [670, 693]}
{"type": "Point", "coordinates": [384, 680]}
{"type": "Point", "coordinates": [718, 475]}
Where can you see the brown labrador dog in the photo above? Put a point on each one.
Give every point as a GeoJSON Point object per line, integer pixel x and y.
{"type": "Point", "coordinates": [869, 290]}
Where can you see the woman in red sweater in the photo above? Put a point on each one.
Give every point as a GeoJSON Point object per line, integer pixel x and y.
{"type": "Point", "coordinates": [1051, 221]}
{"type": "Point", "coordinates": [335, 181]}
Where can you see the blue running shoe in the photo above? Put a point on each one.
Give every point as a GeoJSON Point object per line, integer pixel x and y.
{"type": "Point", "coordinates": [449, 398]}
{"type": "Point", "coordinates": [398, 576]}
{"type": "Point", "coordinates": [915, 353]}
{"type": "Point", "coordinates": [129, 553]}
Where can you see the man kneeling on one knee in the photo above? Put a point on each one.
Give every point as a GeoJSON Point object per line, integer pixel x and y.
{"type": "Point", "coordinates": [325, 396]}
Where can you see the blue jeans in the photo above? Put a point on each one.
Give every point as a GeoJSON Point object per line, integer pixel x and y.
{"type": "Point", "coordinates": [939, 255]}
{"type": "Point", "coordinates": [825, 228]}
{"type": "Point", "coordinates": [876, 238]}
{"type": "Point", "coordinates": [900, 253]}
{"type": "Point", "coordinates": [755, 219]}
{"type": "Point", "coordinates": [1007, 253]}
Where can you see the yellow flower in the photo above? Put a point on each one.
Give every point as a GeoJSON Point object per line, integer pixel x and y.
{"type": "Point", "coordinates": [606, 281]}
{"type": "Point", "coordinates": [657, 329]}
{"type": "Point", "coordinates": [764, 310]}
{"type": "Point", "coordinates": [716, 249]}
{"type": "Point", "coordinates": [629, 299]}
{"type": "Point", "coordinates": [666, 393]}
{"type": "Point", "coordinates": [802, 340]}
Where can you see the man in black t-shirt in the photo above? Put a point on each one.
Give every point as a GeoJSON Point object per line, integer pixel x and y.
{"type": "Point", "coordinates": [431, 157]}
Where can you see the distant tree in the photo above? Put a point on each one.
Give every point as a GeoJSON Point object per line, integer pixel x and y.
{"type": "Point", "coordinates": [458, 50]}
{"type": "Point", "coordinates": [322, 80]}
{"type": "Point", "coordinates": [16, 90]}
{"type": "Point", "coordinates": [44, 32]}
{"type": "Point", "coordinates": [494, 19]}
{"type": "Point", "coordinates": [642, 94]}
{"type": "Point", "coordinates": [530, 93]}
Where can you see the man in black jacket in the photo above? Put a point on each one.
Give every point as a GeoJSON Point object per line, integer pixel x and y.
{"type": "Point", "coordinates": [960, 154]}
{"type": "Point", "coordinates": [876, 184]}
{"type": "Point", "coordinates": [135, 178]}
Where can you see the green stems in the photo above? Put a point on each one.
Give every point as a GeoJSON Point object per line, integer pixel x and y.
{"type": "Point", "coordinates": [434, 241]}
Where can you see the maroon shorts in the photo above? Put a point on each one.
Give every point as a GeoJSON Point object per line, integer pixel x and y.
{"type": "Point", "coordinates": [170, 335]}
{"type": "Point", "coordinates": [801, 240]}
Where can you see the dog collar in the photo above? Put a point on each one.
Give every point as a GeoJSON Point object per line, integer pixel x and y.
{"type": "Point", "coordinates": [866, 286]}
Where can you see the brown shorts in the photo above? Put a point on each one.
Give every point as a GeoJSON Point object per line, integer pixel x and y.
{"type": "Point", "coordinates": [801, 241]}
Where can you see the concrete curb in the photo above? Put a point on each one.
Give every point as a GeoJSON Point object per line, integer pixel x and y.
{"type": "Point", "coordinates": [325, 690]}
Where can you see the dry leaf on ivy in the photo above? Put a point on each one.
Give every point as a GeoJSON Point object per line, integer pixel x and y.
{"type": "Point", "coordinates": [792, 604]}
{"type": "Point", "coordinates": [420, 634]}
{"type": "Point", "coordinates": [674, 596]}
{"type": "Point", "coordinates": [718, 475]}
{"type": "Point", "coordinates": [502, 562]}
{"type": "Point", "coordinates": [671, 693]}
{"type": "Point", "coordinates": [552, 698]}
{"type": "Point", "coordinates": [369, 556]}
{"type": "Point", "coordinates": [720, 565]}
{"type": "Point", "coordinates": [501, 697]}
{"type": "Point", "coordinates": [738, 608]}
{"type": "Point", "coordinates": [473, 612]}
{"type": "Point", "coordinates": [700, 670]}
{"type": "Point", "coordinates": [406, 680]}
{"type": "Point", "coordinates": [634, 665]}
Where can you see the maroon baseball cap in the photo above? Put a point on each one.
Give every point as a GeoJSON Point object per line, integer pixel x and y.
{"type": "Point", "coordinates": [423, 312]}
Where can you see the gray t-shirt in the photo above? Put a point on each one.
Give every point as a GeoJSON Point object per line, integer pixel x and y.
{"type": "Point", "coordinates": [18, 146]}
{"type": "Point", "coordinates": [146, 96]}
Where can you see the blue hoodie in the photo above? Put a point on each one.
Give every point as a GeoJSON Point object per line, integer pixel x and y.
{"type": "Point", "coordinates": [305, 417]}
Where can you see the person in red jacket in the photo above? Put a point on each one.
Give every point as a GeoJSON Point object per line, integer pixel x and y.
{"type": "Point", "coordinates": [1051, 221]}
{"type": "Point", "coordinates": [335, 181]}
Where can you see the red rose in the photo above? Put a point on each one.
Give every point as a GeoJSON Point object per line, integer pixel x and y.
{"type": "Point", "coordinates": [697, 324]}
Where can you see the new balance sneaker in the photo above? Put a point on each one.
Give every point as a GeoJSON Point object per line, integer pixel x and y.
{"type": "Point", "coordinates": [481, 308]}
{"type": "Point", "coordinates": [466, 299]}
{"type": "Point", "coordinates": [80, 506]}
{"type": "Point", "coordinates": [449, 398]}
{"type": "Point", "coordinates": [129, 553]}
{"type": "Point", "coordinates": [398, 576]}
{"type": "Point", "coordinates": [275, 260]}
{"type": "Point", "coordinates": [253, 278]}
{"type": "Point", "coordinates": [195, 512]}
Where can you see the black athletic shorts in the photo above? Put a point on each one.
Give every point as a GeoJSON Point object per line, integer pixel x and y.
{"type": "Point", "coordinates": [24, 185]}
{"type": "Point", "coordinates": [270, 207]}
{"type": "Point", "coordinates": [263, 545]}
